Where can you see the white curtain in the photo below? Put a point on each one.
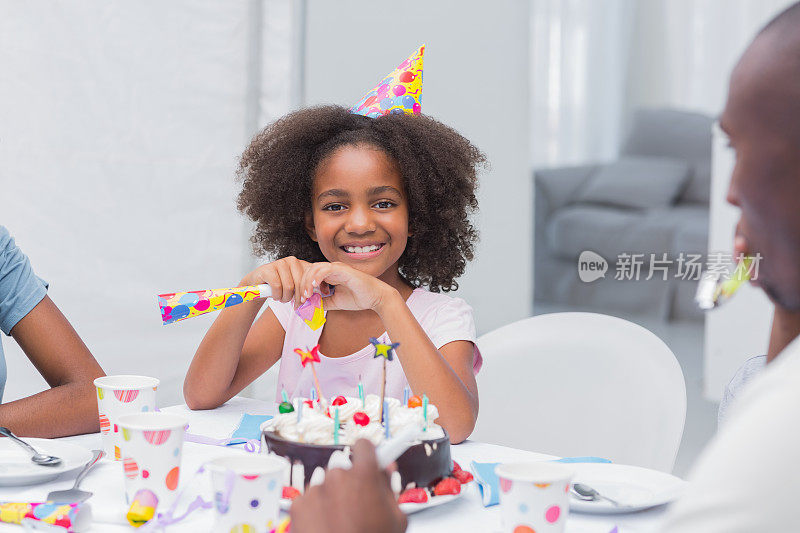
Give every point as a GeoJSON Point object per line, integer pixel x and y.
{"type": "Point", "coordinates": [122, 123]}
{"type": "Point", "coordinates": [594, 62]}
{"type": "Point", "coordinates": [579, 63]}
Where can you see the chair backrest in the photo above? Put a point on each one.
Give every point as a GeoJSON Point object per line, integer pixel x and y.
{"type": "Point", "coordinates": [582, 384]}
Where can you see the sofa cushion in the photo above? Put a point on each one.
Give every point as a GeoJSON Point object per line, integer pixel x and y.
{"type": "Point", "coordinates": [678, 134]}
{"type": "Point", "coordinates": [608, 231]}
{"type": "Point", "coordinates": [690, 223]}
{"type": "Point", "coordinates": [635, 182]}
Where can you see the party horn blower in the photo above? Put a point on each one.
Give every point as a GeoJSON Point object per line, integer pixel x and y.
{"type": "Point", "coordinates": [176, 306]}
{"type": "Point", "coordinates": [71, 516]}
{"type": "Point", "coordinates": [713, 291]}
{"type": "Point", "coordinates": [143, 508]}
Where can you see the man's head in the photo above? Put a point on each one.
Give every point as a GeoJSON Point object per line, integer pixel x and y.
{"type": "Point", "coordinates": [762, 120]}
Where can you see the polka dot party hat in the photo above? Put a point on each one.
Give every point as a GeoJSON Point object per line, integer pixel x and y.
{"type": "Point", "coordinates": [398, 92]}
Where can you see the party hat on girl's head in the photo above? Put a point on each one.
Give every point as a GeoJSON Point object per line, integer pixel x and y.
{"type": "Point", "coordinates": [399, 92]}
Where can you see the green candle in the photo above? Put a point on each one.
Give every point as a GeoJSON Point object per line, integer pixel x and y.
{"type": "Point", "coordinates": [425, 412]}
{"type": "Point", "coordinates": [336, 426]}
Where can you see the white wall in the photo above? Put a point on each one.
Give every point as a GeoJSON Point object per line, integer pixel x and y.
{"type": "Point", "coordinates": [475, 81]}
{"type": "Point", "coordinates": [121, 127]}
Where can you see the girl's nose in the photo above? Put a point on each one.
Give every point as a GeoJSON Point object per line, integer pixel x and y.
{"type": "Point", "coordinates": [360, 221]}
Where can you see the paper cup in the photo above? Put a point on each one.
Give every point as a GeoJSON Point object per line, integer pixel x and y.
{"type": "Point", "coordinates": [247, 491]}
{"type": "Point", "coordinates": [151, 445]}
{"type": "Point", "coordinates": [534, 497]}
{"type": "Point", "coordinates": [121, 395]}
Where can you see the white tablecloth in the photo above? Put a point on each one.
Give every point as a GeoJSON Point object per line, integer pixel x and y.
{"type": "Point", "coordinates": [467, 513]}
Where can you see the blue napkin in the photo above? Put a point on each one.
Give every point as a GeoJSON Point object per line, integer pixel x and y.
{"type": "Point", "coordinates": [249, 428]}
{"type": "Point", "coordinates": [489, 483]}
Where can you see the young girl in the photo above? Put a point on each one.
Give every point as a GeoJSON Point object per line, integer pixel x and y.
{"type": "Point", "coordinates": [377, 207]}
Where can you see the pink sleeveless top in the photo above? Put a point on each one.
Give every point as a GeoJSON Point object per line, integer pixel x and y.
{"type": "Point", "coordinates": [444, 318]}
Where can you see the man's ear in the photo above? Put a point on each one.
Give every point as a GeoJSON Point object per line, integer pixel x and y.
{"type": "Point", "coordinates": [310, 226]}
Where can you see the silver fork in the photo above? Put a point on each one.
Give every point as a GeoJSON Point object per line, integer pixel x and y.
{"type": "Point", "coordinates": [74, 495]}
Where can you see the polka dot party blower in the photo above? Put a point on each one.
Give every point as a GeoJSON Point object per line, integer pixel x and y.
{"type": "Point", "coordinates": [176, 306]}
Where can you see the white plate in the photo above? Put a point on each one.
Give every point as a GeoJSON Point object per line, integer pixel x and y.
{"type": "Point", "coordinates": [635, 488]}
{"type": "Point", "coordinates": [407, 508]}
{"type": "Point", "coordinates": [435, 501]}
{"type": "Point", "coordinates": [16, 467]}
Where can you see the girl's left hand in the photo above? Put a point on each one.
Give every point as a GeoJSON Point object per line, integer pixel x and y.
{"type": "Point", "coordinates": [355, 290]}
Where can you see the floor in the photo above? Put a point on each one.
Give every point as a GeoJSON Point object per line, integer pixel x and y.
{"type": "Point", "coordinates": [685, 339]}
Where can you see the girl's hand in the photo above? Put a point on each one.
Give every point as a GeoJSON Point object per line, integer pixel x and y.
{"type": "Point", "coordinates": [282, 276]}
{"type": "Point", "coordinates": [355, 290]}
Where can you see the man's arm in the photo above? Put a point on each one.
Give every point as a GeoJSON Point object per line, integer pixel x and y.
{"type": "Point", "coordinates": [59, 354]}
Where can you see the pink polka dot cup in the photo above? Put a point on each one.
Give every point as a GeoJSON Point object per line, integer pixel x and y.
{"type": "Point", "coordinates": [151, 445]}
{"type": "Point", "coordinates": [247, 491]}
{"type": "Point", "coordinates": [534, 497]}
{"type": "Point", "coordinates": [121, 395]}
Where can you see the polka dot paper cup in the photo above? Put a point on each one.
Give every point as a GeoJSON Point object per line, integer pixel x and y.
{"type": "Point", "coordinates": [247, 491]}
{"type": "Point", "coordinates": [151, 446]}
{"type": "Point", "coordinates": [121, 395]}
{"type": "Point", "coordinates": [534, 497]}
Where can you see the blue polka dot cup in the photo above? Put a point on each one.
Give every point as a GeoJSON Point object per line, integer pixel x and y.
{"type": "Point", "coordinates": [534, 497]}
{"type": "Point", "coordinates": [247, 491]}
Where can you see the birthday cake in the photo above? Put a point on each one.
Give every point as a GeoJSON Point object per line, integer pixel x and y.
{"type": "Point", "coordinates": [310, 431]}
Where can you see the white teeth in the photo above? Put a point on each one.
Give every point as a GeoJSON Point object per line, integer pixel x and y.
{"type": "Point", "coordinates": [361, 249]}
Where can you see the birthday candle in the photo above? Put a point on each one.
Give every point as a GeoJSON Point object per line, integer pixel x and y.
{"type": "Point", "coordinates": [386, 417]}
{"type": "Point", "coordinates": [406, 393]}
{"type": "Point", "coordinates": [299, 410]}
{"type": "Point", "coordinates": [361, 391]}
{"type": "Point", "coordinates": [336, 426]}
{"type": "Point", "coordinates": [313, 394]}
{"type": "Point", "coordinates": [425, 412]}
{"type": "Point", "coordinates": [284, 395]}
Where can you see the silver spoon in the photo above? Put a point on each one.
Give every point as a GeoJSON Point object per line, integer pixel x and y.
{"type": "Point", "coordinates": [585, 492]}
{"type": "Point", "coordinates": [38, 458]}
{"type": "Point", "coordinates": [74, 495]}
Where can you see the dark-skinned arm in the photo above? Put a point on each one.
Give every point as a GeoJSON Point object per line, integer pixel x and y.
{"type": "Point", "coordinates": [69, 407]}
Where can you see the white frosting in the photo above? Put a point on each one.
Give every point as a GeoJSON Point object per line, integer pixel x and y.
{"type": "Point", "coordinates": [347, 410]}
{"type": "Point", "coordinates": [373, 406]}
{"type": "Point", "coordinates": [317, 424]}
{"type": "Point", "coordinates": [371, 432]}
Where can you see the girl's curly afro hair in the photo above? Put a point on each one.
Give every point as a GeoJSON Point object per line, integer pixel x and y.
{"type": "Point", "coordinates": [438, 166]}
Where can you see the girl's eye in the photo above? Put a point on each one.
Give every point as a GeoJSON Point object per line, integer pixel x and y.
{"type": "Point", "coordinates": [333, 207]}
{"type": "Point", "coordinates": [384, 204]}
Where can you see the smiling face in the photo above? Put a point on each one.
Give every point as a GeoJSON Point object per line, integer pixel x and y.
{"type": "Point", "coordinates": [360, 211]}
{"type": "Point", "coordinates": [761, 118]}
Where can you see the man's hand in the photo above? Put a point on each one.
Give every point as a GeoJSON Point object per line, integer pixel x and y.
{"type": "Point", "coordinates": [358, 500]}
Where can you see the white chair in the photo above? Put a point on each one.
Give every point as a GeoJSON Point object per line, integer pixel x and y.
{"type": "Point", "coordinates": [582, 384]}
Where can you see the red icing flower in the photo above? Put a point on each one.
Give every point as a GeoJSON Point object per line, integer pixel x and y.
{"type": "Point", "coordinates": [448, 485]}
{"type": "Point", "coordinates": [309, 403]}
{"type": "Point", "coordinates": [362, 419]}
{"type": "Point", "coordinates": [417, 495]}
{"type": "Point", "coordinates": [339, 400]}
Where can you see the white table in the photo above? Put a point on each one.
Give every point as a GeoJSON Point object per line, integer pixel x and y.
{"type": "Point", "coordinates": [465, 514]}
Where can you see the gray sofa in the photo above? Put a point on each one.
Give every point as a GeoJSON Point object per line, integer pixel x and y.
{"type": "Point", "coordinates": [653, 200]}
